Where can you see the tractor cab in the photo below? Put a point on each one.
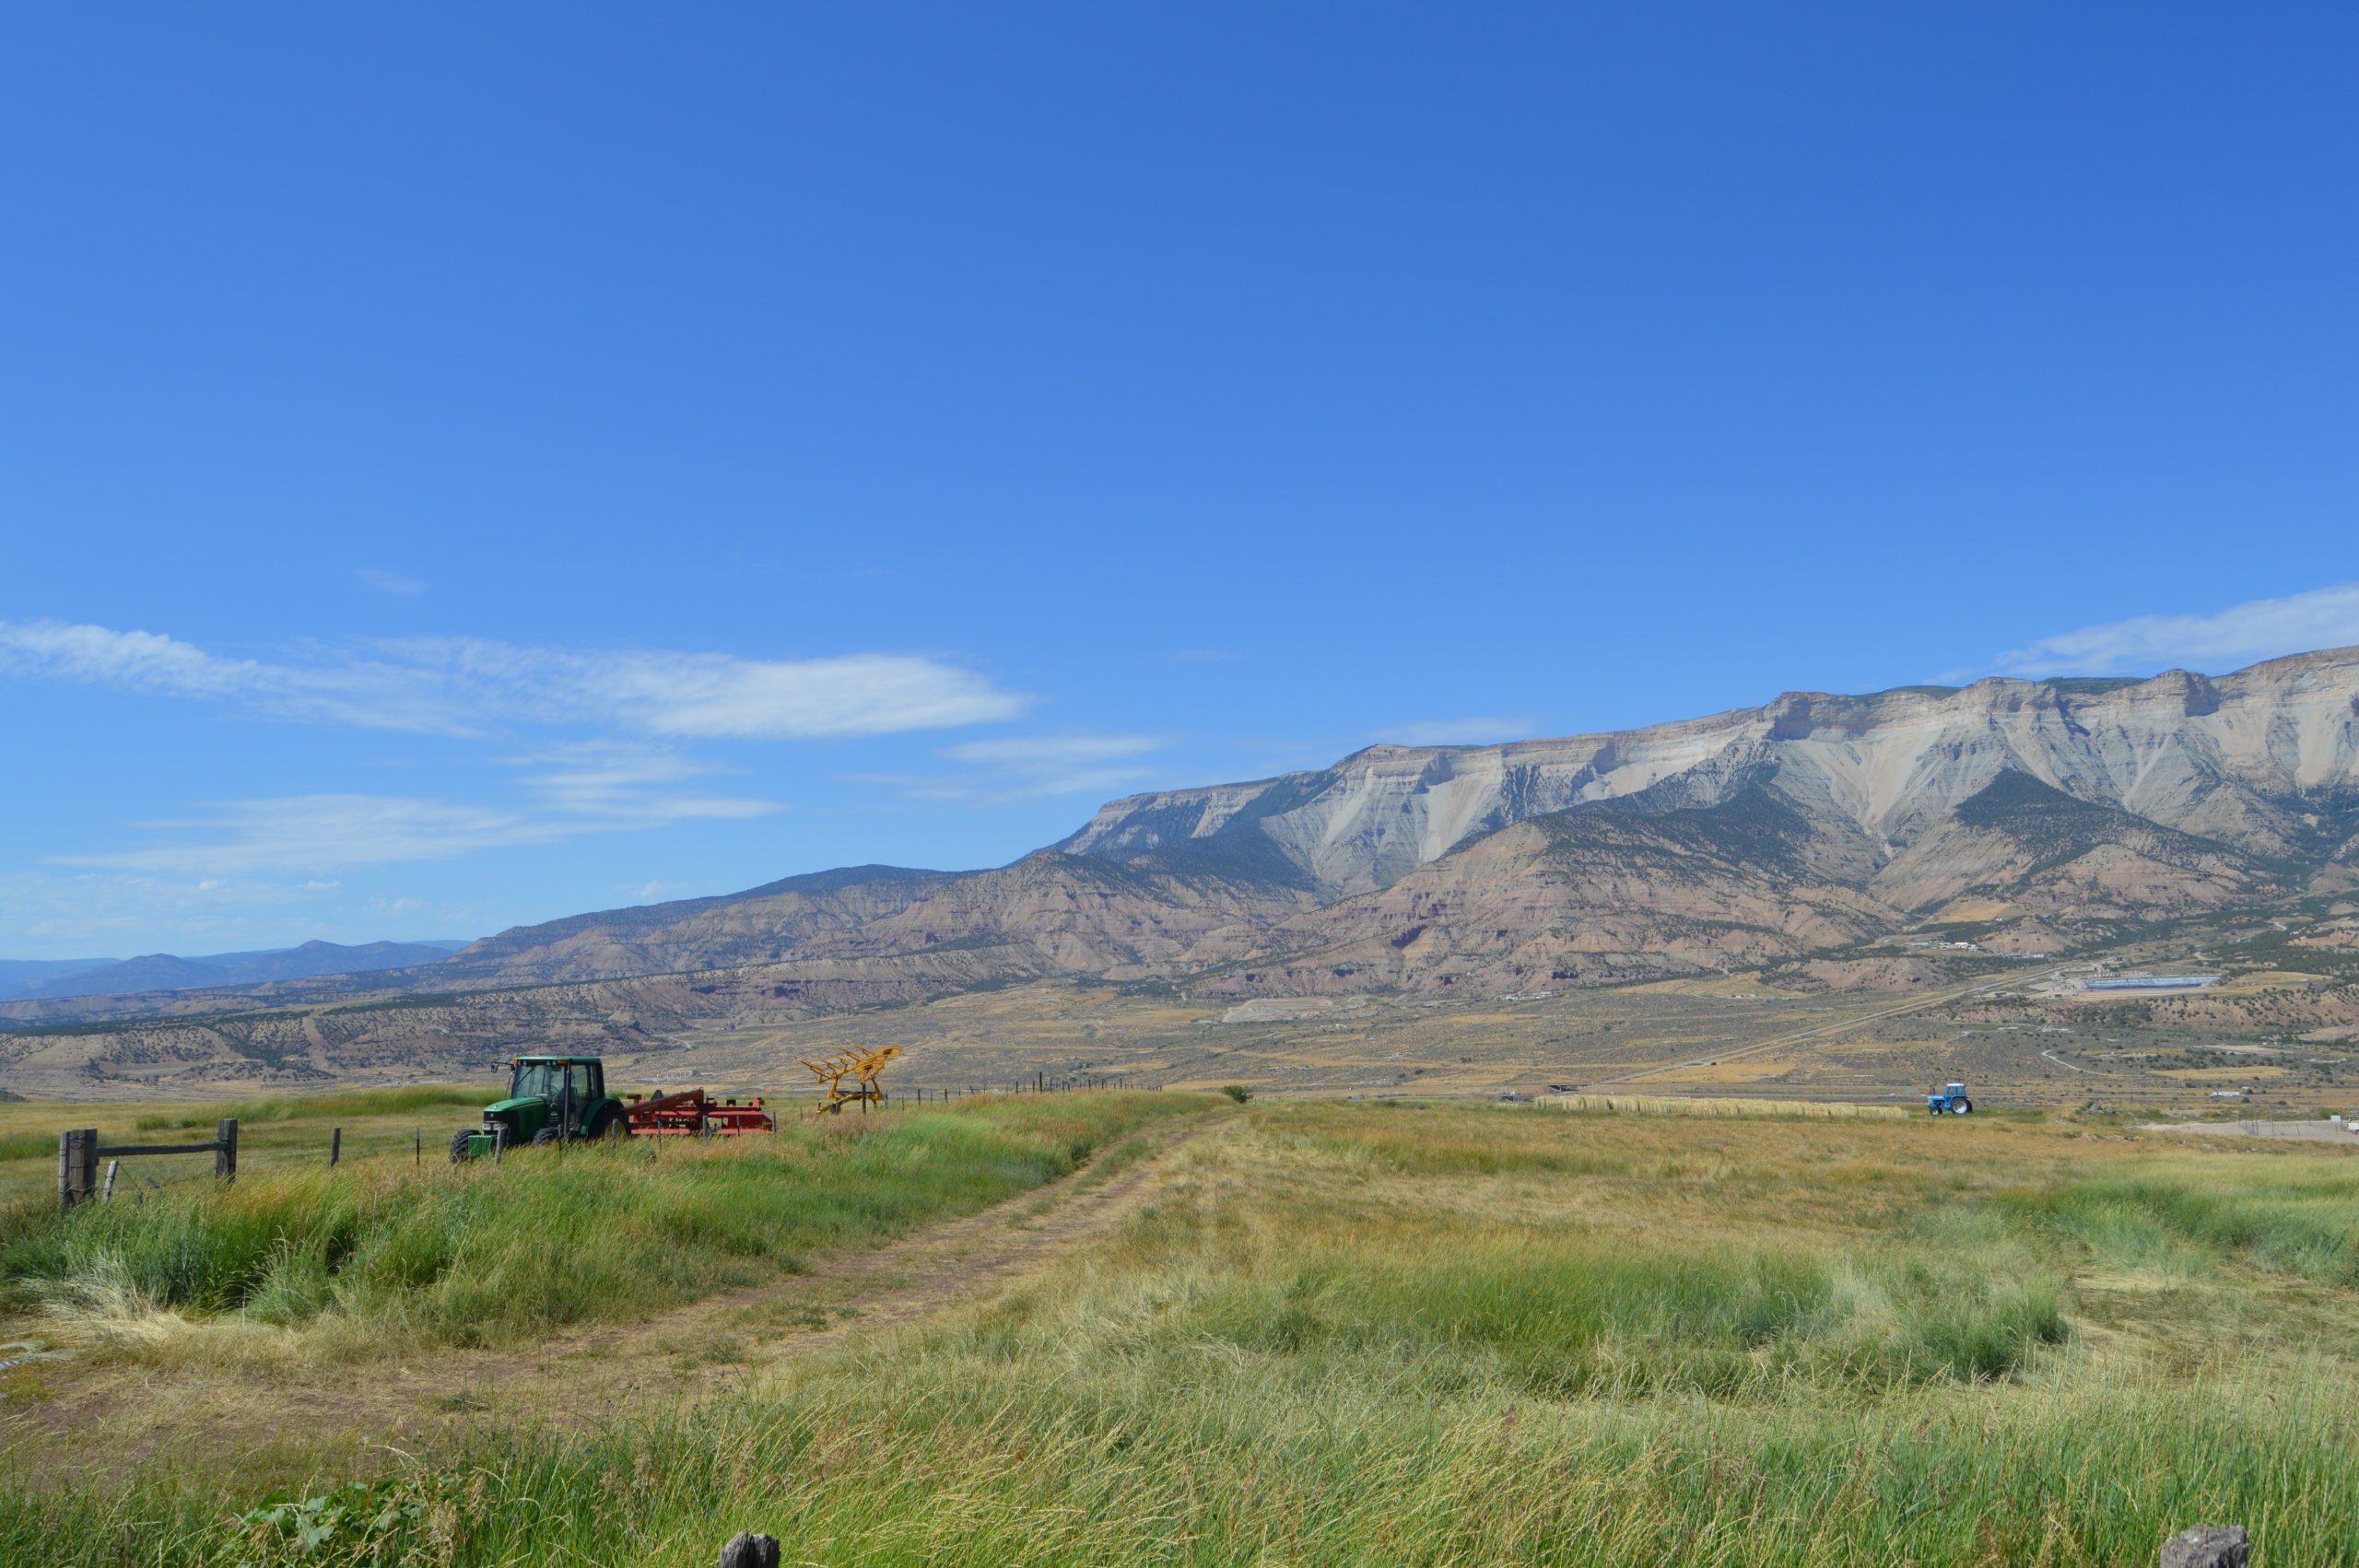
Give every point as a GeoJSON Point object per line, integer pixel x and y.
{"type": "Point", "coordinates": [550, 1099]}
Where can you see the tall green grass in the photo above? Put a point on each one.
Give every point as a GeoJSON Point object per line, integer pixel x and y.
{"type": "Point", "coordinates": [1586, 1319]}
{"type": "Point", "coordinates": [2308, 1227]}
{"type": "Point", "coordinates": [1154, 1458]}
{"type": "Point", "coordinates": [1336, 1336]}
{"type": "Point", "coordinates": [484, 1254]}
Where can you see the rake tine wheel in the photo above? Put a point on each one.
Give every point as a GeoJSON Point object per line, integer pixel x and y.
{"type": "Point", "coordinates": [859, 1066]}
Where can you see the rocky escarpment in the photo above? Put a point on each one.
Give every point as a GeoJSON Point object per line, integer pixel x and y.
{"type": "Point", "coordinates": [2265, 761]}
{"type": "Point", "coordinates": [1815, 821]}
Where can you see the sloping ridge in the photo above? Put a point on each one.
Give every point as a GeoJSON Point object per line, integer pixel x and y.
{"type": "Point", "coordinates": [1813, 820]}
{"type": "Point", "coordinates": [1046, 913]}
{"type": "Point", "coordinates": [165, 972]}
{"type": "Point", "coordinates": [2244, 759]}
{"type": "Point", "coordinates": [1810, 822]}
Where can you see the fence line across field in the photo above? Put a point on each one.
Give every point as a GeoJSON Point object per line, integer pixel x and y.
{"type": "Point", "coordinates": [79, 1152]}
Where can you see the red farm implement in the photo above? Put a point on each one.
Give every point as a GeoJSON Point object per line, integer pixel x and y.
{"type": "Point", "coordinates": [692, 1112]}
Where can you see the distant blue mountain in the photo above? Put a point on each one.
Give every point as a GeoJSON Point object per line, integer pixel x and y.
{"type": "Point", "coordinates": [31, 980]}
{"type": "Point", "coordinates": [18, 975]}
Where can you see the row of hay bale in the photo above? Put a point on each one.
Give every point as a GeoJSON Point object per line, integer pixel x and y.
{"type": "Point", "coordinates": [1681, 1105]}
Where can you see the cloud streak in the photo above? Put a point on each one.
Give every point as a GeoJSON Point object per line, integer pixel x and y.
{"type": "Point", "coordinates": [463, 685]}
{"type": "Point", "coordinates": [1021, 767]}
{"type": "Point", "coordinates": [400, 585]}
{"type": "Point", "coordinates": [316, 834]}
{"type": "Point", "coordinates": [2241, 633]}
{"type": "Point", "coordinates": [67, 913]}
{"type": "Point", "coordinates": [1482, 730]}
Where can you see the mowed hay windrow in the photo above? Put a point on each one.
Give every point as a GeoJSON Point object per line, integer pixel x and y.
{"type": "Point", "coordinates": [1674, 1105]}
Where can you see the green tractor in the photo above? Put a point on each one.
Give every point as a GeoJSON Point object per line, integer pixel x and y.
{"type": "Point", "coordinates": [550, 1099]}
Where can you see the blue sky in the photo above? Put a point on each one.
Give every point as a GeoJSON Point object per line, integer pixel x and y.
{"type": "Point", "coordinates": [465, 465]}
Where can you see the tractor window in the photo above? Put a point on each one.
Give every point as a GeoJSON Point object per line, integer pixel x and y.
{"type": "Point", "coordinates": [578, 1080]}
{"type": "Point", "coordinates": [538, 1080]}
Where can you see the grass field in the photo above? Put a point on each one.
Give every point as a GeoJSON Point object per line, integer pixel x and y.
{"type": "Point", "coordinates": [1389, 1332]}
{"type": "Point", "coordinates": [274, 1131]}
{"type": "Point", "coordinates": [381, 1254]}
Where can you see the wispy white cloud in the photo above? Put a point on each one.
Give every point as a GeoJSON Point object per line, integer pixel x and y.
{"type": "Point", "coordinates": [400, 585]}
{"type": "Point", "coordinates": [2222, 639]}
{"type": "Point", "coordinates": [1051, 755]}
{"type": "Point", "coordinates": [318, 834]}
{"type": "Point", "coordinates": [1478, 731]}
{"type": "Point", "coordinates": [463, 686]}
{"type": "Point", "coordinates": [573, 790]}
{"type": "Point", "coordinates": [151, 664]}
{"type": "Point", "coordinates": [1021, 767]}
{"type": "Point", "coordinates": [70, 912]}
{"type": "Point", "coordinates": [625, 781]}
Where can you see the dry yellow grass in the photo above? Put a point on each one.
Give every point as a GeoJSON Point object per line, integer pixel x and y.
{"type": "Point", "coordinates": [1449, 1334]}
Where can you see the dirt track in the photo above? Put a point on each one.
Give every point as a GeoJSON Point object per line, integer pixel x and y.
{"type": "Point", "coordinates": [110, 1418]}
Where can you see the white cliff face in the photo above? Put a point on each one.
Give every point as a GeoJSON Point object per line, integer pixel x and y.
{"type": "Point", "coordinates": [2243, 758]}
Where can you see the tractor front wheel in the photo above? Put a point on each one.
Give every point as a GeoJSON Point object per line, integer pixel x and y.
{"type": "Point", "coordinates": [459, 1145]}
{"type": "Point", "coordinates": [547, 1135]}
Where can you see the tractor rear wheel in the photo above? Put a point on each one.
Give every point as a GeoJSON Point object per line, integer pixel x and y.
{"type": "Point", "coordinates": [459, 1145]}
{"type": "Point", "coordinates": [613, 1127]}
{"type": "Point", "coordinates": [1966, 1108]}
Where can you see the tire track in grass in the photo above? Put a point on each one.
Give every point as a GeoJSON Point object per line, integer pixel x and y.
{"type": "Point", "coordinates": [112, 1418]}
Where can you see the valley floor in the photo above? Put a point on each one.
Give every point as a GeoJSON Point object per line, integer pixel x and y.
{"type": "Point", "coordinates": [1330, 1332]}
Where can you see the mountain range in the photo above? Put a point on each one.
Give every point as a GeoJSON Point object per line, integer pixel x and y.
{"type": "Point", "coordinates": [2035, 813]}
{"type": "Point", "coordinates": [2045, 811]}
{"type": "Point", "coordinates": [37, 979]}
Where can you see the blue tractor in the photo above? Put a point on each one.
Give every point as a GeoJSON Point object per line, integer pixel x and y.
{"type": "Point", "coordinates": [1949, 1100]}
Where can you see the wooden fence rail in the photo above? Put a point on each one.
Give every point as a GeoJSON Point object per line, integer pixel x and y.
{"type": "Point", "coordinates": [79, 1152]}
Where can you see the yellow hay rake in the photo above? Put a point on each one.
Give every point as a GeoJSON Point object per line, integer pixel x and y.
{"type": "Point", "coordinates": [860, 1067]}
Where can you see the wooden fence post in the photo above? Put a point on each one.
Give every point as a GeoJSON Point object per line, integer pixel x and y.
{"type": "Point", "coordinates": [77, 1165]}
{"type": "Point", "coordinates": [336, 1146]}
{"type": "Point", "coordinates": [225, 1152]}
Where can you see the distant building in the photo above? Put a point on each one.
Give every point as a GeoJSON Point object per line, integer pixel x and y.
{"type": "Point", "coordinates": [2152, 982]}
